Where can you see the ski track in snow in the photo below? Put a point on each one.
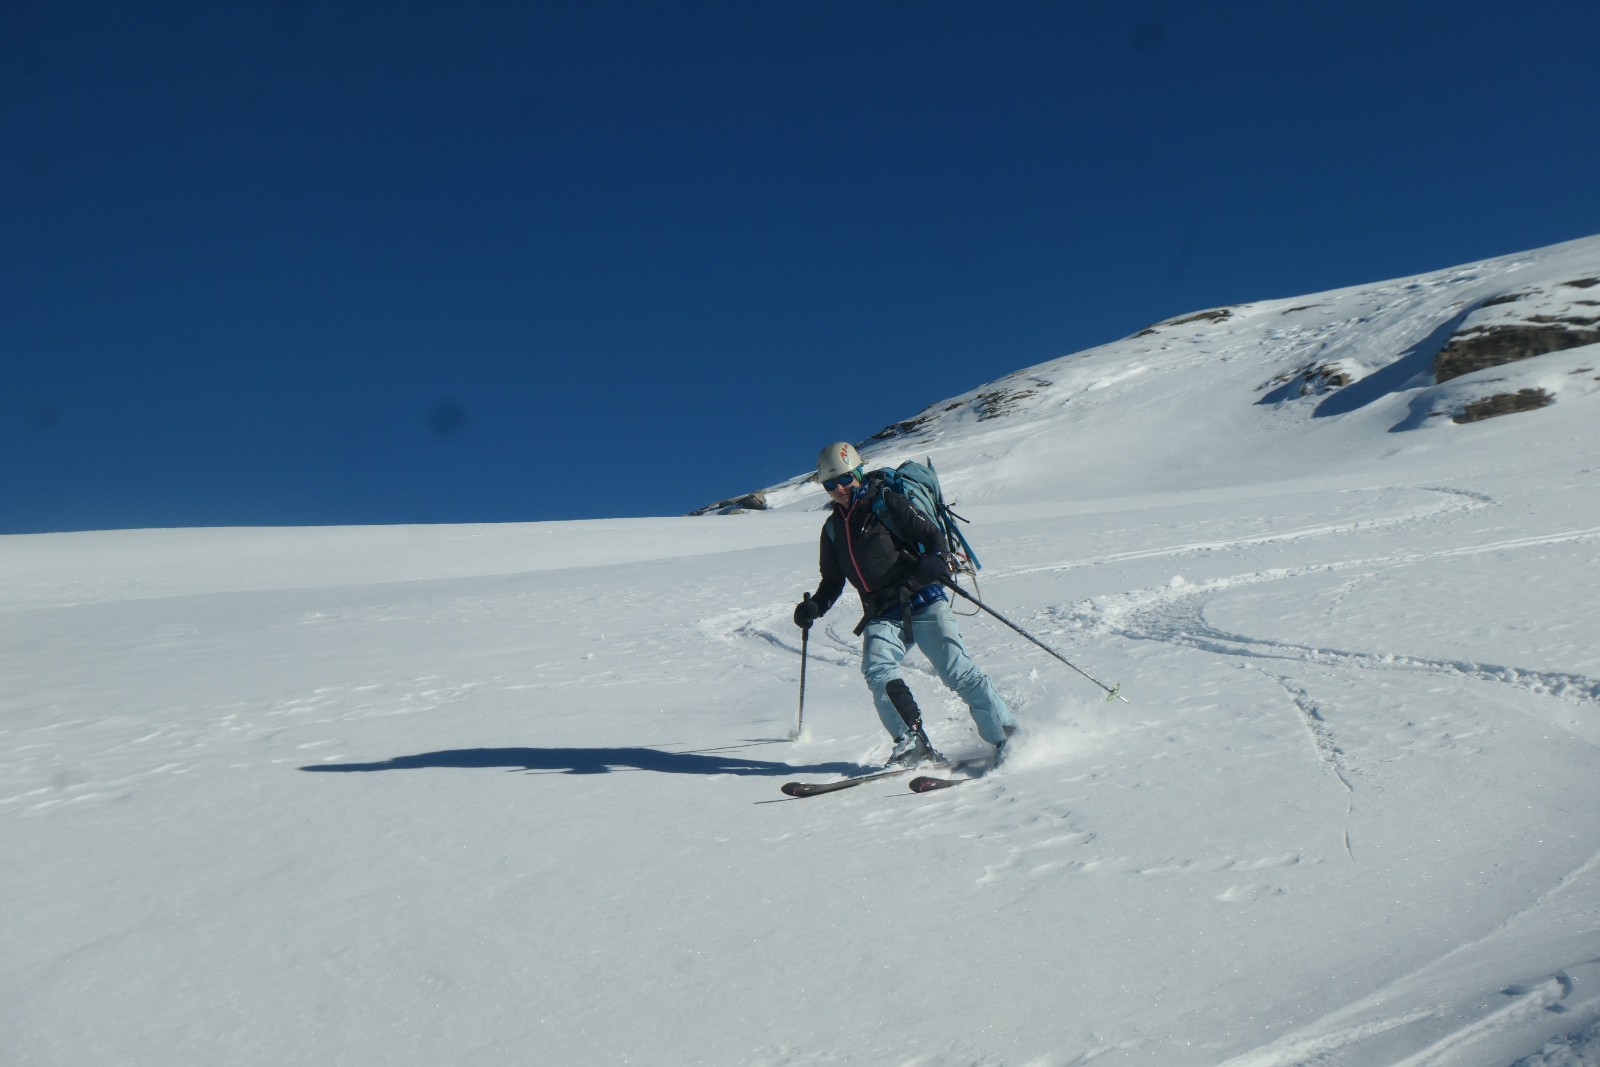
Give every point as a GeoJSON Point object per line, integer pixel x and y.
{"type": "Point", "coordinates": [1177, 616]}
{"type": "Point", "coordinates": [1326, 746]}
{"type": "Point", "coordinates": [1528, 1005]}
{"type": "Point", "coordinates": [1457, 502]}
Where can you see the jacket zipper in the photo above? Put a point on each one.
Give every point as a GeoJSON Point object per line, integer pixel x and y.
{"type": "Point", "coordinates": [850, 546]}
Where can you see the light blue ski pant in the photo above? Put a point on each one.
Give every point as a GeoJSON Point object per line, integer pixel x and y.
{"type": "Point", "coordinates": [933, 629]}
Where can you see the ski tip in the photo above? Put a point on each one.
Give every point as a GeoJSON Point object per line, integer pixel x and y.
{"type": "Point", "coordinates": [815, 789]}
{"type": "Point", "coordinates": [925, 784]}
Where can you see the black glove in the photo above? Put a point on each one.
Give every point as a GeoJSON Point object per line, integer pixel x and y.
{"type": "Point", "coordinates": [805, 613]}
{"type": "Point", "coordinates": [933, 569]}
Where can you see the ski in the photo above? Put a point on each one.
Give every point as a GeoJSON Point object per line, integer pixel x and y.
{"type": "Point", "coordinates": [927, 783]}
{"type": "Point", "coordinates": [812, 789]}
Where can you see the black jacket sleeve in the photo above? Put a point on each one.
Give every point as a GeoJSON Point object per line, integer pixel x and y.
{"type": "Point", "coordinates": [832, 584]}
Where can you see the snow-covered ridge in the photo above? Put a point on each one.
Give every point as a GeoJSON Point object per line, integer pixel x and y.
{"type": "Point", "coordinates": [1455, 345]}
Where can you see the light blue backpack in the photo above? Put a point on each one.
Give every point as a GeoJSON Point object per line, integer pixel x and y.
{"type": "Point", "coordinates": [919, 483]}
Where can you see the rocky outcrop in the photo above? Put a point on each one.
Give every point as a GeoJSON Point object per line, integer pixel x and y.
{"type": "Point", "coordinates": [736, 506]}
{"type": "Point", "coordinates": [1504, 404]}
{"type": "Point", "coordinates": [1313, 379]}
{"type": "Point", "coordinates": [1521, 325]}
{"type": "Point", "coordinates": [1213, 315]}
{"type": "Point", "coordinates": [989, 404]}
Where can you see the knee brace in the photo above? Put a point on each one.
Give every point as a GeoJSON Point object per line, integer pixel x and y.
{"type": "Point", "coordinates": [899, 695]}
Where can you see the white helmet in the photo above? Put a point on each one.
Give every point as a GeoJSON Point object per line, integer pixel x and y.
{"type": "Point", "coordinates": [836, 459]}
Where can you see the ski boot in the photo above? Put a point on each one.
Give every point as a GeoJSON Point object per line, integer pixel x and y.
{"type": "Point", "coordinates": [911, 749]}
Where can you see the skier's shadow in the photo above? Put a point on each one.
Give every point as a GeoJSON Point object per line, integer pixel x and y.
{"type": "Point", "coordinates": [588, 761]}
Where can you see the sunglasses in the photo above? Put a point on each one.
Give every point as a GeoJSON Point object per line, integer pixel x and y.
{"type": "Point", "coordinates": [844, 479]}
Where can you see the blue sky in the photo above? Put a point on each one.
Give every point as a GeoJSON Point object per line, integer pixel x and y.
{"type": "Point", "coordinates": [308, 262]}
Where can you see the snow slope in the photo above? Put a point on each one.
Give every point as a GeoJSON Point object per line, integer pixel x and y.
{"type": "Point", "coordinates": [509, 794]}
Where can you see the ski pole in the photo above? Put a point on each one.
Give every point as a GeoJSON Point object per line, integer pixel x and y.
{"type": "Point", "coordinates": [800, 715]}
{"type": "Point", "coordinates": [1114, 691]}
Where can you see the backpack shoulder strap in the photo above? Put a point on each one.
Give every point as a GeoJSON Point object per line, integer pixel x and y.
{"type": "Point", "coordinates": [880, 508]}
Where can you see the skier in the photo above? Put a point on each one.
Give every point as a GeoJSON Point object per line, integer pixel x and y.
{"type": "Point", "coordinates": [902, 602]}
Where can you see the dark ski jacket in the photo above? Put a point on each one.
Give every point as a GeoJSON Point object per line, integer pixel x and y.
{"type": "Point", "coordinates": [857, 547]}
